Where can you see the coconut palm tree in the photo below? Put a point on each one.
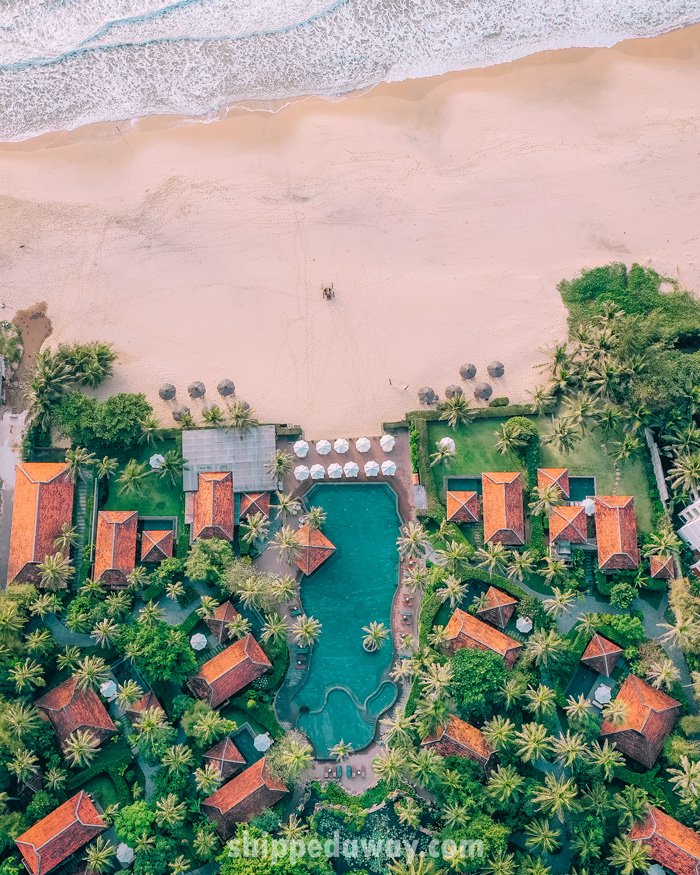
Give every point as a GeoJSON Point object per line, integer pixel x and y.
{"type": "Point", "coordinates": [684, 475]}
{"type": "Point", "coordinates": [105, 468]}
{"type": "Point", "coordinates": [500, 863]}
{"type": "Point", "coordinates": [186, 420]}
{"type": "Point", "coordinates": [295, 756]}
{"type": "Point", "coordinates": [45, 603]}
{"type": "Point", "coordinates": [399, 726]}
{"type": "Point", "coordinates": [425, 767]}
{"type": "Point", "coordinates": [579, 410]}
{"type": "Point", "coordinates": [172, 465]}
{"type": "Point", "coordinates": [66, 539]}
{"type": "Point", "coordinates": [144, 843]}
{"type": "Point", "coordinates": [533, 742]}
{"type": "Point", "coordinates": [545, 498]}
{"type": "Point", "coordinates": [170, 810]}
{"type": "Point", "coordinates": [662, 673]}
{"type": "Point", "coordinates": [586, 624]}
{"type": "Point", "coordinates": [23, 765]}
{"type": "Point", "coordinates": [520, 564]}
{"type": "Point", "coordinates": [341, 751]}
{"type": "Point", "coordinates": [556, 797]}
{"type": "Point", "coordinates": [615, 712]}
{"type": "Point", "coordinates": [207, 607]}
{"type": "Point", "coordinates": [205, 842]}
{"type": "Point", "coordinates": [416, 579]}
{"type": "Point", "coordinates": [685, 779]}
{"type": "Point", "coordinates": [541, 836]}
{"type": "Point", "coordinates": [238, 627]}
{"type": "Point", "coordinates": [92, 588]}
{"type": "Point", "coordinates": [79, 460]}
{"type": "Point", "coordinates": [569, 748]}
{"type": "Point", "coordinates": [99, 855]}
{"type": "Point", "coordinates": [493, 557]}
{"type": "Point", "coordinates": [540, 700]}
{"type": "Point", "coordinates": [55, 778]}
{"type": "Point", "coordinates": [564, 435]}
{"type": "Point", "coordinates": [131, 477]}
{"type": "Point", "coordinates": [560, 602]}
{"type": "Point", "coordinates": [511, 691]}
{"type": "Point", "coordinates": [241, 416]}
{"type": "Point", "coordinates": [443, 455]}
{"type": "Point", "coordinates": [174, 590]}
{"type": "Point", "coordinates": [456, 410]}
{"type": "Point", "coordinates": [105, 632]}
{"type": "Point", "coordinates": [437, 637]}
{"type": "Point", "coordinates": [578, 710]}
{"type": "Point", "coordinates": [628, 856]}
{"type": "Point", "coordinates": [207, 779]}
{"type": "Point", "coordinates": [80, 747]}
{"type": "Point", "coordinates": [177, 759]}
{"type": "Point", "coordinates": [27, 674]}
{"type": "Point", "coordinates": [47, 382]}
{"type": "Point", "coordinates": [213, 416]}
{"type": "Point", "coordinates": [455, 815]}
{"type": "Point", "coordinates": [408, 812]}
{"type": "Point", "coordinates": [662, 542]}
{"type": "Point", "coordinates": [430, 713]}
{"type": "Point", "coordinates": [149, 429]}
{"type": "Point", "coordinates": [208, 725]}
{"type": "Point", "coordinates": [68, 658]}
{"type": "Point", "coordinates": [20, 718]}
{"type": "Point", "coordinates": [55, 572]}
{"type": "Point", "coordinates": [555, 569]}
{"type": "Point", "coordinates": [389, 766]}
{"type": "Point", "coordinates": [39, 641]}
{"type": "Point", "coordinates": [280, 465]}
{"type": "Point", "coordinates": [684, 633]}
{"type": "Point", "coordinates": [306, 630]}
{"type": "Point", "coordinates": [274, 628]}
{"type": "Point", "coordinates": [375, 636]}
{"type": "Point", "coordinates": [436, 678]}
{"type": "Point", "coordinates": [118, 604]}
{"type": "Point", "coordinates": [505, 784]}
{"type": "Point", "coordinates": [511, 437]}
{"type": "Point", "coordinates": [411, 541]}
{"type": "Point", "coordinates": [413, 864]}
{"type": "Point", "coordinates": [149, 724]}
{"type": "Point", "coordinates": [286, 543]}
{"type": "Point", "coordinates": [606, 758]}
{"type": "Point", "coordinates": [596, 799]}
{"type": "Point", "coordinates": [180, 865]}
{"type": "Point", "coordinates": [622, 450]}
{"type": "Point", "coordinates": [90, 672]}
{"type": "Point", "coordinates": [128, 692]}
{"type": "Point", "coordinates": [150, 613]}
{"type": "Point", "coordinates": [452, 591]}
{"type": "Point", "coordinates": [632, 803]}
{"type": "Point", "coordinates": [455, 557]}
{"type": "Point", "coordinates": [316, 517]}
{"type": "Point", "coordinates": [499, 731]}
{"type": "Point", "coordinates": [545, 647]}
{"type": "Point", "coordinates": [586, 845]}
{"type": "Point", "coordinates": [283, 589]}
{"type": "Point", "coordinates": [286, 505]}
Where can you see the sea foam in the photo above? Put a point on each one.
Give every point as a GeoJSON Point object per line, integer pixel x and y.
{"type": "Point", "coordinates": [66, 63]}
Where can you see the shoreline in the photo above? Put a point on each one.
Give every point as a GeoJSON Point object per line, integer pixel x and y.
{"type": "Point", "coordinates": [444, 210]}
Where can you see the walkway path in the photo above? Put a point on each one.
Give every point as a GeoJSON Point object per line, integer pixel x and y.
{"type": "Point", "coordinates": [11, 430]}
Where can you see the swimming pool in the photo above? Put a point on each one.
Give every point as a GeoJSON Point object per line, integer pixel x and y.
{"type": "Point", "coordinates": [346, 689]}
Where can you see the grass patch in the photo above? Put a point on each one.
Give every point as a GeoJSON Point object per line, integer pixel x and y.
{"type": "Point", "coordinates": [103, 789]}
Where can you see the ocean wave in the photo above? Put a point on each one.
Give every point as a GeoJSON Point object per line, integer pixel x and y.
{"type": "Point", "coordinates": [66, 63]}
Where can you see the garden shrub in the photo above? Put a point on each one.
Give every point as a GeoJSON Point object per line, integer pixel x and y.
{"type": "Point", "coordinates": [500, 401]}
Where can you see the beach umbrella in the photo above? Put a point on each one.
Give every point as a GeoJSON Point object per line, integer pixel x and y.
{"type": "Point", "coordinates": [589, 506]}
{"type": "Point", "coordinates": [108, 689]}
{"type": "Point", "coordinates": [496, 369]}
{"type": "Point", "coordinates": [362, 445]}
{"type": "Point", "coordinates": [335, 471]}
{"type": "Point", "coordinates": [156, 461]}
{"type": "Point", "coordinates": [226, 388]}
{"type": "Point", "coordinates": [524, 625]}
{"type": "Point", "coordinates": [125, 854]}
{"type": "Point", "coordinates": [317, 472]}
{"type": "Point", "coordinates": [483, 391]}
{"type": "Point", "coordinates": [262, 742]}
{"type": "Point", "coordinates": [447, 443]}
{"type": "Point", "coordinates": [387, 442]}
{"type": "Point", "coordinates": [426, 395]}
{"type": "Point", "coordinates": [180, 412]}
{"type": "Point", "coordinates": [453, 390]}
{"type": "Point", "coordinates": [198, 641]}
{"type": "Point", "coordinates": [351, 469]}
{"type": "Point", "coordinates": [371, 468]}
{"type": "Point", "coordinates": [603, 694]}
{"type": "Point", "coordinates": [301, 472]}
{"type": "Point", "coordinates": [468, 371]}
{"type": "Point", "coordinates": [323, 447]}
{"type": "Point", "coordinates": [196, 390]}
{"type": "Point", "coordinates": [341, 445]}
{"type": "Point", "coordinates": [301, 449]}
{"type": "Point", "coordinates": [167, 391]}
{"type": "Point", "coordinates": [388, 467]}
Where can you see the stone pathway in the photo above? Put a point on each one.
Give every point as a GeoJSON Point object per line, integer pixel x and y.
{"type": "Point", "coordinates": [11, 431]}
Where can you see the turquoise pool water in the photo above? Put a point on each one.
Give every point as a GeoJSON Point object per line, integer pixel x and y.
{"type": "Point", "coordinates": [581, 487]}
{"type": "Point", "coordinates": [464, 484]}
{"type": "Point", "coordinates": [346, 688]}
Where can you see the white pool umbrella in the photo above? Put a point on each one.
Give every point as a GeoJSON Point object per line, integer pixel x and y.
{"type": "Point", "coordinates": [301, 449]}
{"type": "Point", "coordinates": [387, 442]}
{"type": "Point", "coordinates": [388, 467]}
{"type": "Point", "coordinates": [341, 445]}
{"type": "Point", "coordinates": [156, 461]}
{"type": "Point", "coordinates": [198, 641]}
{"type": "Point", "coordinates": [301, 472]}
{"type": "Point", "coordinates": [335, 471]}
{"type": "Point", "coordinates": [447, 443]}
{"type": "Point", "coordinates": [603, 694]}
{"type": "Point", "coordinates": [351, 469]}
{"type": "Point", "coordinates": [262, 742]}
{"type": "Point", "coordinates": [317, 472]}
{"type": "Point", "coordinates": [125, 854]}
{"type": "Point", "coordinates": [588, 506]}
{"type": "Point", "coordinates": [524, 625]}
{"type": "Point", "coordinates": [108, 689]}
{"type": "Point", "coordinates": [371, 468]}
{"type": "Point", "coordinates": [323, 447]}
{"type": "Point", "coordinates": [362, 445]}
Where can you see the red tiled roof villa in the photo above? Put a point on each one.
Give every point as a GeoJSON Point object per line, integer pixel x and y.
{"type": "Point", "coordinates": [601, 655]}
{"type": "Point", "coordinates": [568, 522]}
{"type": "Point", "coordinates": [115, 547]}
{"type": "Point", "coordinates": [559, 477]}
{"type": "Point", "coordinates": [213, 506]}
{"type": "Point", "coordinates": [462, 506]}
{"type": "Point", "coordinates": [461, 739]}
{"type": "Point", "coordinates": [156, 545]}
{"type": "Point", "coordinates": [230, 671]}
{"type": "Point", "coordinates": [670, 844]}
{"type": "Point", "coordinates": [68, 709]}
{"type": "Point", "coordinates": [616, 532]}
{"type": "Point", "coordinates": [498, 607]}
{"type": "Point", "coordinates": [502, 507]}
{"type": "Point", "coordinates": [243, 797]}
{"type": "Point", "coordinates": [464, 630]}
{"type": "Point", "coordinates": [315, 549]}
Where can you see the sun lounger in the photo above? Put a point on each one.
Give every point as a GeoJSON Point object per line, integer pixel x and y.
{"type": "Point", "coordinates": [348, 771]}
{"type": "Point", "coordinates": [339, 772]}
{"type": "Point", "coordinates": [364, 771]}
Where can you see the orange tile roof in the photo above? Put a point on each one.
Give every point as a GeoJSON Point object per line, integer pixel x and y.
{"type": "Point", "coordinates": [147, 702]}
{"type": "Point", "coordinates": [671, 845]}
{"type": "Point", "coordinates": [61, 833]}
{"type": "Point", "coordinates": [458, 738]}
{"type": "Point", "coordinates": [315, 549]}
{"type": "Point", "coordinates": [568, 522]}
{"type": "Point", "coordinates": [464, 630]}
{"type": "Point", "coordinates": [226, 757]}
{"type": "Point", "coordinates": [156, 545]}
{"type": "Point", "coordinates": [547, 477]}
{"type": "Point", "coordinates": [498, 607]}
{"type": "Point", "coordinates": [661, 567]}
{"type": "Point", "coordinates": [115, 546]}
{"type": "Point", "coordinates": [68, 708]}
{"type": "Point", "coordinates": [462, 506]}
{"type": "Point", "coordinates": [230, 671]}
{"type": "Point", "coordinates": [650, 717]}
{"type": "Point", "coordinates": [502, 507]}
{"type": "Point", "coordinates": [218, 623]}
{"type": "Point", "coordinates": [255, 502]}
{"type": "Point", "coordinates": [213, 506]}
{"type": "Point", "coordinates": [243, 797]}
{"type": "Point", "coordinates": [43, 502]}
{"type": "Point", "coordinates": [616, 532]}
{"type": "Point", "coordinates": [601, 654]}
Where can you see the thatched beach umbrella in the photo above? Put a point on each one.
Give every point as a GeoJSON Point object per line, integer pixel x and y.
{"type": "Point", "coordinates": [496, 369]}
{"type": "Point", "coordinates": [167, 392]}
{"type": "Point", "coordinates": [468, 371]}
{"type": "Point", "coordinates": [226, 388]}
{"type": "Point", "coordinates": [426, 395]}
{"type": "Point", "coordinates": [483, 391]}
{"type": "Point", "coordinates": [180, 412]}
{"type": "Point", "coordinates": [196, 390]}
{"type": "Point", "coordinates": [453, 390]}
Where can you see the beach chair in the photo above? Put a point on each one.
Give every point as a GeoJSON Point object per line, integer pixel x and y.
{"type": "Point", "coordinates": [339, 772]}
{"type": "Point", "coordinates": [348, 771]}
{"type": "Point", "coordinates": [363, 771]}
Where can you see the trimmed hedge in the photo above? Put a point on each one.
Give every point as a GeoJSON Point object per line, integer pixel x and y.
{"type": "Point", "coordinates": [434, 509]}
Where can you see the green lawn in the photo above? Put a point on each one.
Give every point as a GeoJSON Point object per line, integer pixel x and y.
{"type": "Point", "coordinates": [102, 788]}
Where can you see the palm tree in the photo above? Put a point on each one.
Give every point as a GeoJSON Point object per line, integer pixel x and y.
{"type": "Point", "coordinates": [149, 429]}
{"type": "Point", "coordinates": [39, 641]}
{"type": "Point", "coordinates": [662, 542]}
{"type": "Point", "coordinates": [425, 766]}
{"type": "Point", "coordinates": [174, 590]}
{"type": "Point", "coordinates": [389, 766]}
{"type": "Point", "coordinates": [341, 751]}
{"type": "Point", "coordinates": [686, 779]}
{"type": "Point", "coordinates": [455, 557]}
{"type": "Point", "coordinates": [586, 845]}
{"type": "Point", "coordinates": [177, 759]}
{"type": "Point", "coordinates": [90, 672]}
{"type": "Point", "coordinates": [545, 647]}
{"type": "Point", "coordinates": [295, 756]}
{"type": "Point", "coordinates": [238, 627]}
{"type": "Point", "coordinates": [520, 565]}
{"type": "Point", "coordinates": [413, 864]}
{"type": "Point", "coordinates": [241, 416]}
{"type": "Point", "coordinates": [545, 498]}
{"type": "Point", "coordinates": [150, 613]}
{"type": "Point", "coordinates": [408, 812]}
{"type": "Point", "coordinates": [105, 468]}
{"type": "Point", "coordinates": [274, 628]}
{"type": "Point", "coordinates": [286, 505]}
{"type": "Point", "coordinates": [316, 517]}
{"type": "Point", "coordinates": [375, 636]}
{"type": "Point", "coordinates": [149, 724]}
{"type": "Point", "coordinates": [430, 713]}
{"type": "Point", "coordinates": [622, 450]}
{"type": "Point", "coordinates": [684, 633]}
{"type": "Point", "coordinates": [615, 712]}
{"type": "Point", "coordinates": [105, 632]}
{"type": "Point", "coordinates": [632, 803]}
{"type": "Point", "coordinates": [280, 465]}
{"type": "Point", "coordinates": [663, 673]}
{"type": "Point", "coordinates": [118, 604]}
{"type": "Point", "coordinates": [437, 637]}
{"type": "Point", "coordinates": [55, 778]}
{"type": "Point", "coordinates": [286, 543]}
{"type": "Point", "coordinates": [493, 557]}
{"type": "Point", "coordinates": [606, 758]}
{"type": "Point", "coordinates": [511, 691]}
{"type": "Point", "coordinates": [283, 589]}
{"type": "Point", "coordinates": [504, 784]}
{"type": "Point", "coordinates": [27, 674]}
{"type": "Point", "coordinates": [443, 455]}
{"type": "Point", "coordinates": [541, 836]}
{"type": "Point", "coordinates": [510, 437]}
{"type": "Point", "coordinates": [596, 799]}
{"type": "Point", "coordinates": [187, 421]}
{"type": "Point", "coordinates": [207, 607]}
{"type": "Point", "coordinates": [99, 855]}
{"type": "Point", "coordinates": [208, 725]}
{"type": "Point", "coordinates": [45, 603]}
{"type": "Point", "coordinates": [586, 623]}
{"type": "Point", "coordinates": [456, 410]}
{"type": "Point", "coordinates": [23, 765]}
{"type": "Point", "coordinates": [455, 815]}
{"type": "Point", "coordinates": [555, 569]}
{"type": "Point", "coordinates": [205, 842]}
{"type": "Point", "coordinates": [213, 416]}
{"type": "Point", "coordinates": [79, 460]}
{"type": "Point", "coordinates": [400, 726]}
{"type": "Point", "coordinates": [66, 539]}
{"type": "Point", "coordinates": [541, 700]}
{"type": "Point", "coordinates": [436, 678]}
{"type": "Point", "coordinates": [564, 435]}
{"type": "Point", "coordinates": [81, 747]}
{"type": "Point", "coordinates": [684, 476]}
{"type": "Point", "coordinates": [533, 742]}
{"type": "Point", "coordinates": [20, 718]}
{"type": "Point", "coordinates": [306, 630]}
{"type": "Point", "coordinates": [501, 863]}
{"type": "Point", "coordinates": [556, 797]}
{"type": "Point", "coordinates": [172, 465]}
{"type": "Point", "coordinates": [411, 541]}
{"type": "Point", "coordinates": [255, 528]}
{"type": "Point", "coordinates": [541, 399]}
{"type": "Point", "coordinates": [131, 477]}
{"type": "Point", "coordinates": [498, 731]}
{"type": "Point", "coordinates": [180, 865]}
{"type": "Point", "coordinates": [170, 810]}
{"type": "Point", "coordinates": [416, 579]}
{"type": "Point", "coordinates": [47, 382]}
{"type": "Point", "coordinates": [127, 693]}
{"type": "Point", "coordinates": [452, 590]}
{"type": "Point", "coordinates": [207, 779]}
{"type": "Point", "coordinates": [579, 411]}
{"type": "Point", "coordinates": [560, 603]}
{"type": "Point", "coordinates": [569, 749]}
{"type": "Point", "coordinates": [55, 572]}
{"type": "Point", "coordinates": [628, 856]}
{"type": "Point", "coordinates": [578, 710]}
{"type": "Point", "coordinates": [68, 658]}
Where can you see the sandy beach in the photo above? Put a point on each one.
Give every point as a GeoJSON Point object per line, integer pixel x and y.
{"type": "Point", "coordinates": [444, 211]}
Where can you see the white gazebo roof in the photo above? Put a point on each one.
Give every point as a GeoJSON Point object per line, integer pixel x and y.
{"type": "Point", "coordinates": [156, 461]}
{"type": "Point", "coordinates": [523, 624]}
{"type": "Point", "coordinates": [262, 742]}
{"type": "Point", "coordinates": [108, 689]}
{"type": "Point", "coordinates": [198, 641]}
{"type": "Point", "coordinates": [603, 694]}
{"type": "Point", "coordinates": [125, 854]}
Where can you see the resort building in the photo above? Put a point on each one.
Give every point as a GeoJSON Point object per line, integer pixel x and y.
{"type": "Point", "coordinates": [464, 630]}
{"type": "Point", "coordinates": [650, 717]}
{"type": "Point", "coordinates": [115, 547]}
{"type": "Point", "coordinates": [315, 549]}
{"type": "Point", "coordinates": [212, 506]}
{"type": "Point", "coordinates": [462, 506]}
{"type": "Point", "coordinates": [568, 522]}
{"type": "Point", "coordinates": [661, 567]}
{"type": "Point", "coordinates": [157, 545]}
{"type": "Point", "coordinates": [246, 454]}
{"type": "Point", "coordinates": [497, 607]}
{"type": "Point", "coordinates": [226, 757]}
{"type": "Point", "coordinates": [60, 834]}
{"type": "Point", "coordinates": [147, 702]}
{"type": "Point", "coordinates": [254, 502]}
{"type": "Point", "coordinates": [559, 477]}
{"type": "Point", "coordinates": [669, 843]}
{"type": "Point", "coordinates": [690, 530]}
{"type": "Point", "coordinates": [43, 503]}
{"type": "Point", "coordinates": [457, 738]}
{"type": "Point", "coordinates": [601, 655]}
{"type": "Point", "coordinates": [219, 620]}
{"type": "Point", "coordinates": [230, 671]}
{"type": "Point", "coordinates": [616, 532]}
{"type": "Point", "coordinates": [502, 507]}
{"type": "Point", "coordinates": [243, 797]}
{"type": "Point", "coordinates": [68, 708]}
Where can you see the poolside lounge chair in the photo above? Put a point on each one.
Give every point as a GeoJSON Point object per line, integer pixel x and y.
{"type": "Point", "coordinates": [348, 771]}
{"type": "Point", "coordinates": [339, 772]}
{"type": "Point", "coordinates": [294, 611]}
{"type": "Point", "coordinates": [364, 771]}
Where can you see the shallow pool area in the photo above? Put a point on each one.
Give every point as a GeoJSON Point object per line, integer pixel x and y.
{"type": "Point", "coordinates": [346, 689]}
